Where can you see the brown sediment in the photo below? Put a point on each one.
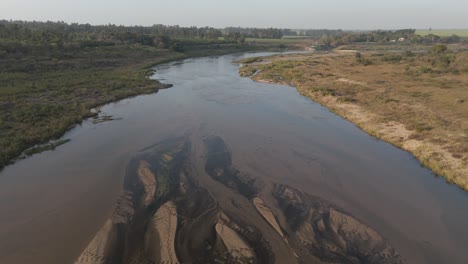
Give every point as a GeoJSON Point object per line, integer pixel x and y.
{"type": "Point", "coordinates": [327, 232]}
{"type": "Point", "coordinates": [103, 249]}
{"type": "Point", "coordinates": [267, 214]}
{"type": "Point", "coordinates": [317, 231]}
{"type": "Point", "coordinates": [96, 252]}
{"type": "Point", "coordinates": [233, 242]}
{"type": "Point", "coordinates": [160, 236]}
{"type": "Point", "coordinates": [149, 181]}
{"type": "Point", "coordinates": [192, 218]}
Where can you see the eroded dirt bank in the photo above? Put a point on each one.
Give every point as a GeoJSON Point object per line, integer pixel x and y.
{"type": "Point", "coordinates": [175, 209]}
{"type": "Point", "coordinates": [408, 100]}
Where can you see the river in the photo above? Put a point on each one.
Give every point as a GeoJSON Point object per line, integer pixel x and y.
{"type": "Point", "coordinates": [53, 203]}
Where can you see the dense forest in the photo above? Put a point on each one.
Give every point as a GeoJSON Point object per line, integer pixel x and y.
{"type": "Point", "coordinates": [106, 32]}
{"type": "Point", "coordinates": [17, 35]}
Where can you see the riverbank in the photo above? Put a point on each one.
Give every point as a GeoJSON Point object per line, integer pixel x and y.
{"type": "Point", "coordinates": [248, 142]}
{"type": "Point", "coordinates": [417, 102]}
{"type": "Point", "coordinates": [44, 95]}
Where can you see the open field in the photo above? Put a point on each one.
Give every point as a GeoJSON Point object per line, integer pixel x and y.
{"type": "Point", "coordinates": [443, 32]}
{"type": "Point", "coordinates": [417, 102]}
{"type": "Point", "coordinates": [463, 33]}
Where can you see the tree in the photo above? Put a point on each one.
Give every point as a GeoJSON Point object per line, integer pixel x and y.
{"type": "Point", "coordinates": [325, 41]}
{"type": "Point", "coordinates": [163, 42]}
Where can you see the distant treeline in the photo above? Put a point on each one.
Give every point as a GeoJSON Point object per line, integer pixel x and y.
{"type": "Point", "coordinates": [384, 36]}
{"type": "Point", "coordinates": [110, 31]}
{"type": "Point", "coordinates": [271, 33]}
{"type": "Point", "coordinates": [276, 33]}
{"type": "Point", "coordinates": [21, 34]}
{"type": "Point", "coordinates": [313, 33]}
{"type": "Point", "coordinates": [61, 32]}
{"type": "Point", "coordinates": [24, 36]}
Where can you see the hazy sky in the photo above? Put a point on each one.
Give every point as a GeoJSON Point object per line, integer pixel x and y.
{"type": "Point", "coordinates": [345, 14]}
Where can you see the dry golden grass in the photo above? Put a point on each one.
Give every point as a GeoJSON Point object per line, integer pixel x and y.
{"type": "Point", "coordinates": [417, 102]}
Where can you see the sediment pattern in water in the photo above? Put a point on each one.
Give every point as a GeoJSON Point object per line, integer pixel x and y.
{"type": "Point", "coordinates": [187, 205]}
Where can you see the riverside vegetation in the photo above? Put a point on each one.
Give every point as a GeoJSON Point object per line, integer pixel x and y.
{"type": "Point", "coordinates": [53, 73]}
{"type": "Point", "coordinates": [416, 101]}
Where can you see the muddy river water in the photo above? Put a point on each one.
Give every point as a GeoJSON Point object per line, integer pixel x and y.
{"type": "Point", "coordinates": [53, 203]}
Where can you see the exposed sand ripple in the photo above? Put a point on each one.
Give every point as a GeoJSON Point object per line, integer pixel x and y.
{"type": "Point", "coordinates": [180, 226]}
{"type": "Point", "coordinates": [149, 181]}
{"type": "Point", "coordinates": [330, 234]}
{"type": "Point", "coordinates": [96, 252]}
{"type": "Point", "coordinates": [267, 214]}
{"type": "Point", "coordinates": [160, 237]}
{"type": "Point", "coordinates": [233, 242]}
{"type": "Point", "coordinates": [123, 211]}
{"type": "Point", "coordinates": [101, 250]}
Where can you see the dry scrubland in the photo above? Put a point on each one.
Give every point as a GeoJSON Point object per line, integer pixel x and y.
{"type": "Point", "coordinates": [416, 101]}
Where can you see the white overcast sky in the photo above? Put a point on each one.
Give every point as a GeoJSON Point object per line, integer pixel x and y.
{"type": "Point", "coordinates": [344, 14]}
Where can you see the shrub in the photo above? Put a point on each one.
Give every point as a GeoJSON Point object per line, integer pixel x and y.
{"type": "Point", "coordinates": [361, 60]}
{"type": "Point", "coordinates": [424, 69]}
{"type": "Point", "coordinates": [346, 99]}
{"type": "Point", "coordinates": [442, 61]}
{"type": "Point", "coordinates": [409, 53]}
{"type": "Point", "coordinates": [365, 62]}
{"type": "Point", "coordinates": [439, 48]}
{"type": "Point", "coordinates": [177, 46]}
{"type": "Point", "coordinates": [392, 58]}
